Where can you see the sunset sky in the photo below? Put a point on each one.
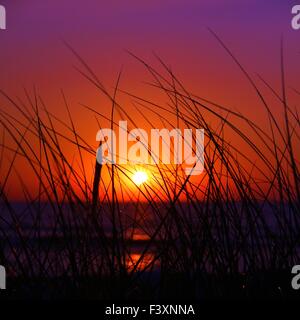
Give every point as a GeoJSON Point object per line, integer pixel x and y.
{"type": "Point", "coordinates": [33, 53]}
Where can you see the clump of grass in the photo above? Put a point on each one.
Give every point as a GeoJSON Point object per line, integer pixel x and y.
{"type": "Point", "coordinates": [109, 238]}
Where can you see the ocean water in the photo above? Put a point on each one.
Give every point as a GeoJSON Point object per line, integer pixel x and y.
{"type": "Point", "coordinates": [41, 239]}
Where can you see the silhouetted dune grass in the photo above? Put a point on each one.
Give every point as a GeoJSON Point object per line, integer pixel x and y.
{"type": "Point", "coordinates": [231, 232]}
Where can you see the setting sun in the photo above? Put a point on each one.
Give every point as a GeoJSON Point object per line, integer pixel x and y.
{"type": "Point", "coordinates": [139, 177]}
